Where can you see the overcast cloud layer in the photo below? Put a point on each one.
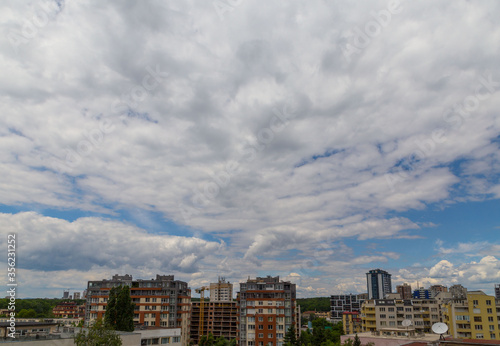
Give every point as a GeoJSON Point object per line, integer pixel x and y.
{"type": "Point", "coordinates": [244, 138]}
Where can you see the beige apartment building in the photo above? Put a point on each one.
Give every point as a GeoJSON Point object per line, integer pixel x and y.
{"type": "Point", "coordinates": [389, 314]}
{"type": "Point", "coordinates": [221, 291]}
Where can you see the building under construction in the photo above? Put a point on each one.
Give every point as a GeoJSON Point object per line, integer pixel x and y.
{"type": "Point", "coordinates": [219, 316]}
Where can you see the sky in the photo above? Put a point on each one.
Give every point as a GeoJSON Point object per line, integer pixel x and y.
{"type": "Point", "coordinates": [314, 140]}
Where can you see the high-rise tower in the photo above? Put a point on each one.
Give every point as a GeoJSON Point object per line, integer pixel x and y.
{"type": "Point", "coordinates": [378, 283]}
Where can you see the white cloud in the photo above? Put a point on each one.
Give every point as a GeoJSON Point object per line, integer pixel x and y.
{"type": "Point", "coordinates": [89, 125]}
{"type": "Point", "coordinates": [51, 244]}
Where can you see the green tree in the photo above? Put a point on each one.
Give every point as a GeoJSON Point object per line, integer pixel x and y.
{"type": "Point", "coordinates": [97, 335]}
{"type": "Point", "coordinates": [207, 340]}
{"type": "Point", "coordinates": [119, 310]}
{"type": "Point", "coordinates": [291, 337]}
{"type": "Point", "coordinates": [356, 342]}
{"type": "Point", "coordinates": [305, 338]}
{"type": "Point", "coordinates": [124, 311]}
{"type": "Point", "coordinates": [27, 313]}
{"type": "Point", "coordinates": [110, 316]}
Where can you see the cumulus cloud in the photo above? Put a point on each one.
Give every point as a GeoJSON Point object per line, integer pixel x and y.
{"type": "Point", "coordinates": [51, 244]}
{"type": "Point", "coordinates": [249, 125]}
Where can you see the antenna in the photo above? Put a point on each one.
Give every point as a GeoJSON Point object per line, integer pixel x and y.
{"type": "Point", "coordinates": [440, 328]}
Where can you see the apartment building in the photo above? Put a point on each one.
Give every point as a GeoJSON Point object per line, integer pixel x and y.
{"type": "Point", "coordinates": [351, 322]}
{"type": "Point", "coordinates": [436, 289]}
{"type": "Point", "coordinates": [69, 310]}
{"type": "Point", "coordinates": [458, 291]}
{"type": "Point", "coordinates": [475, 317]}
{"type": "Point", "coordinates": [381, 314]}
{"type": "Point", "coordinates": [340, 303]}
{"type": "Point", "coordinates": [404, 291]}
{"type": "Point", "coordinates": [221, 291]}
{"type": "Point", "coordinates": [268, 308]}
{"type": "Point", "coordinates": [421, 293]}
{"type": "Point", "coordinates": [160, 302]}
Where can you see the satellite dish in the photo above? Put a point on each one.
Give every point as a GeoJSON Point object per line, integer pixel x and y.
{"type": "Point", "coordinates": [439, 328]}
{"type": "Point", "coordinates": [406, 323]}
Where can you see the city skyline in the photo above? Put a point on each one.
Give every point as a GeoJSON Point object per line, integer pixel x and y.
{"type": "Point", "coordinates": [315, 141]}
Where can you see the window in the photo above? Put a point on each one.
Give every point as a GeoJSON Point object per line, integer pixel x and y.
{"type": "Point", "coordinates": [492, 336]}
{"type": "Point", "coordinates": [251, 319]}
{"type": "Point", "coordinates": [176, 339]}
{"type": "Point", "coordinates": [261, 319]}
{"type": "Point", "coordinates": [475, 302]}
{"type": "Point", "coordinates": [165, 341]}
{"type": "Point", "coordinates": [270, 327]}
{"type": "Point", "coordinates": [492, 328]}
{"type": "Point", "coordinates": [270, 319]}
{"type": "Point", "coordinates": [261, 335]}
{"type": "Point", "coordinates": [382, 309]}
{"type": "Point", "coordinates": [479, 327]}
{"type": "Point", "coordinates": [490, 318]}
{"type": "Point", "coordinates": [390, 309]}
{"type": "Point", "coordinates": [383, 316]}
{"type": "Point", "coordinates": [489, 310]}
{"type": "Point", "coordinates": [479, 336]}
{"type": "Point", "coordinates": [477, 319]}
{"type": "Point", "coordinates": [488, 302]}
{"type": "Point", "coordinates": [261, 303]}
{"type": "Point", "coordinates": [269, 311]}
{"type": "Point", "coordinates": [148, 300]}
{"type": "Point", "coordinates": [261, 311]}
{"type": "Point", "coordinates": [270, 336]}
{"type": "Point", "coordinates": [251, 327]}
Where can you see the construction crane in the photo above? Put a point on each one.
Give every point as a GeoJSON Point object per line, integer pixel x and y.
{"type": "Point", "coordinates": [201, 291]}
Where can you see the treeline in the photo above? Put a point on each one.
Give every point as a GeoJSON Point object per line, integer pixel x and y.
{"type": "Point", "coordinates": [314, 304]}
{"type": "Point", "coordinates": [36, 308]}
{"type": "Point", "coordinates": [323, 333]}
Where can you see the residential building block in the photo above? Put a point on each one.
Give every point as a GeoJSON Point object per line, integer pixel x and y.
{"type": "Point", "coordinates": [475, 317]}
{"type": "Point", "coordinates": [160, 302]}
{"type": "Point", "coordinates": [268, 308]}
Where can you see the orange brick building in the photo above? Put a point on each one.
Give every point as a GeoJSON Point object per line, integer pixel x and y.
{"type": "Point", "coordinates": [69, 310]}
{"type": "Point", "coordinates": [268, 308]}
{"type": "Point", "coordinates": [160, 302]}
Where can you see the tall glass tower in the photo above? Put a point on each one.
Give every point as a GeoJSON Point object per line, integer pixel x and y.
{"type": "Point", "coordinates": [378, 283]}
